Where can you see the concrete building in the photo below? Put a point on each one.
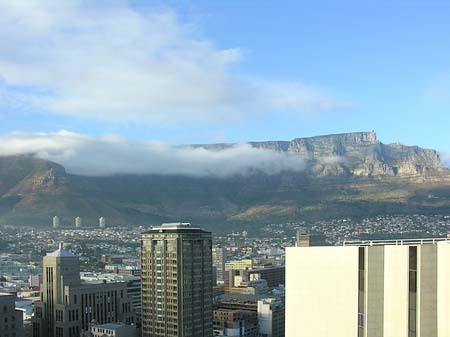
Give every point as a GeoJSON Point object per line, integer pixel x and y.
{"type": "Point", "coordinates": [113, 330]}
{"type": "Point", "coordinates": [102, 222]}
{"type": "Point", "coordinates": [271, 315]}
{"type": "Point", "coordinates": [302, 239]}
{"type": "Point", "coordinates": [239, 264]}
{"type": "Point", "coordinates": [396, 288]}
{"type": "Point", "coordinates": [68, 306]}
{"type": "Point", "coordinates": [78, 222]}
{"type": "Point", "coordinates": [219, 256]}
{"type": "Point", "coordinates": [56, 223]}
{"type": "Point", "coordinates": [235, 322]}
{"type": "Point", "coordinates": [176, 261]}
{"type": "Point", "coordinates": [273, 275]}
{"type": "Point", "coordinates": [11, 319]}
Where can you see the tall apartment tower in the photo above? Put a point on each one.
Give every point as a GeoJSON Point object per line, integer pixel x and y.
{"type": "Point", "coordinates": [303, 239]}
{"type": "Point", "coordinates": [78, 222]}
{"type": "Point", "coordinates": [219, 256]}
{"type": "Point", "coordinates": [56, 221]}
{"type": "Point", "coordinates": [102, 222]}
{"type": "Point", "coordinates": [392, 288]}
{"type": "Point", "coordinates": [68, 306]}
{"type": "Point", "coordinates": [176, 262]}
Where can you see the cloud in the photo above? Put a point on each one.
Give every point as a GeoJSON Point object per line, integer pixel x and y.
{"type": "Point", "coordinates": [109, 155]}
{"type": "Point", "coordinates": [117, 63]}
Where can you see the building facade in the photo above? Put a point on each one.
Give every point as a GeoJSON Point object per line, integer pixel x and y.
{"type": "Point", "coordinates": [235, 322]}
{"type": "Point", "coordinates": [219, 256]}
{"type": "Point", "coordinates": [271, 316]}
{"type": "Point", "coordinates": [176, 262]}
{"type": "Point", "coordinates": [11, 319]}
{"type": "Point", "coordinates": [68, 306]}
{"type": "Point", "coordinates": [396, 288]}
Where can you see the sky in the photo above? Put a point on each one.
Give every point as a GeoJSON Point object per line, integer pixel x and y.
{"type": "Point", "coordinates": [182, 72]}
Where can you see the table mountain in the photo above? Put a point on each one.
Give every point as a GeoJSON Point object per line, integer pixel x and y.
{"type": "Point", "coordinates": [349, 175]}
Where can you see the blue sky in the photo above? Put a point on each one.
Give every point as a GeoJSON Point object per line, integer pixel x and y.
{"type": "Point", "coordinates": [250, 70]}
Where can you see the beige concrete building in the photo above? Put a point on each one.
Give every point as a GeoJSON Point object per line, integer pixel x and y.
{"type": "Point", "coordinates": [176, 263]}
{"type": "Point", "coordinates": [271, 317]}
{"type": "Point", "coordinates": [68, 306]}
{"type": "Point", "coordinates": [239, 264]}
{"type": "Point", "coordinates": [398, 288]}
{"type": "Point", "coordinates": [11, 319]}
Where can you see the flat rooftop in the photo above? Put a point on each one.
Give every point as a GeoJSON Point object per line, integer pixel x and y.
{"type": "Point", "coordinates": [398, 242]}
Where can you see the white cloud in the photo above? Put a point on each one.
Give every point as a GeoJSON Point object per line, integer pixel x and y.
{"type": "Point", "coordinates": [116, 63]}
{"type": "Point", "coordinates": [108, 155]}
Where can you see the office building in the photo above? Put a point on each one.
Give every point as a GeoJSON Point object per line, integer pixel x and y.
{"type": "Point", "coordinates": [11, 319]}
{"type": "Point", "coordinates": [239, 264]}
{"type": "Point", "coordinates": [235, 322]}
{"type": "Point", "coordinates": [219, 256]}
{"type": "Point", "coordinates": [78, 222]}
{"type": "Point", "coordinates": [302, 239]}
{"type": "Point", "coordinates": [273, 275]}
{"type": "Point", "coordinates": [176, 262]}
{"type": "Point", "coordinates": [394, 288]}
{"type": "Point", "coordinates": [68, 306]}
{"type": "Point", "coordinates": [56, 223]}
{"type": "Point", "coordinates": [271, 315]}
{"type": "Point", "coordinates": [102, 222]}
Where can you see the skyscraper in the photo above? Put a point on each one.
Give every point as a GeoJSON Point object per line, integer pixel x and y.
{"type": "Point", "coordinates": [68, 306]}
{"type": "Point", "coordinates": [392, 288]}
{"type": "Point", "coordinates": [11, 320]}
{"type": "Point", "coordinates": [56, 221]}
{"type": "Point", "coordinates": [219, 256]}
{"type": "Point", "coordinates": [176, 265]}
{"type": "Point", "coordinates": [102, 222]}
{"type": "Point", "coordinates": [78, 222]}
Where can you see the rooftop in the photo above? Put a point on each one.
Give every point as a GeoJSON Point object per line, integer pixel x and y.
{"type": "Point", "coordinates": [110, 326]}
{"type": "Point", "coordinates": [399, 242]}
{"type": "Point", "coordinates": [61, 252]}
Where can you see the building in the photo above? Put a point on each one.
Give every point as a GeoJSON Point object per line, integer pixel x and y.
{"type": "Point", "coordinates": [219, 256]}
{"type": "Point", "coordinates": [78, 222]}
{"type": "Point", "coordinates": [176, 262]}
{"type": "Point", "coordinates": [56, 223]}
{"type": "Point", "coordinates": [273, 275]}
{"type": "Point", "coordinates": [235, 322]}
{"type": "Point", "coordinates": [302, 239]}
{"type": "Point", "coordinates": [68, 306]}
{"type": "Point", "coordinates": [271, 314]}
{"type": "Point", "coordinates": [239, 264]}
{"type": "Point", "coordinates": [11, 319]}
{"type": "Point", "coordinates": [113, 330]}
{"type": "Point", "coordinates": [102, 222]}
{"type": "Point", "coordinates": [394, 288]}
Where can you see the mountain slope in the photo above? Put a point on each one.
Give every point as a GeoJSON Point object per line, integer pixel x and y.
{"type": "Point", "coordinates": [345, 175]}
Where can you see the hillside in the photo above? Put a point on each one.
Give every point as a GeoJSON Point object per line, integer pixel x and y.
{"type": "Point", "coordinates": [347, 175]}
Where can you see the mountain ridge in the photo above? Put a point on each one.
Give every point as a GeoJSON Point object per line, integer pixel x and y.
{"type": "Point", "coordinates": [345, 175]}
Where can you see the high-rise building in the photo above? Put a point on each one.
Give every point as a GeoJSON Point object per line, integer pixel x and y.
{"type": "Point", "coordinates": [68, 306]}
{"type": "Point", "coordinates": [271, 317]}
{"type": "Point", "coordinates": [219, 256]}
{"type": "Point", "coordinates": [176, 263]}
{"type": "Point", "coordinates": [302, 239]}
{"type": "Point", "coordinates": [102, 222]}
{"type": "Point", "coordinates": [56, 221]}
{"type": "Point", "coordinates": [11, 320]}
{"type": "Point", "coordinates": [78, 222]}
{"type": "Point", "coordinates": [393, 288]}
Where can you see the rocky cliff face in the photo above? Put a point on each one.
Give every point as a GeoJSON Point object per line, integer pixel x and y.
{"type": "Point", "coordinates": [358, 154]}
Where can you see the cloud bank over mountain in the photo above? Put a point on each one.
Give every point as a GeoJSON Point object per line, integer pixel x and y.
{"type": "Point", "coordinates": [109, 155]}
{"type": "Point", "coordinates": [117, 63]}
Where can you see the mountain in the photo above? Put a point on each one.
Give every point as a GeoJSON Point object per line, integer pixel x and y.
{"type": "Point", "coordinates": [345, 175]}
